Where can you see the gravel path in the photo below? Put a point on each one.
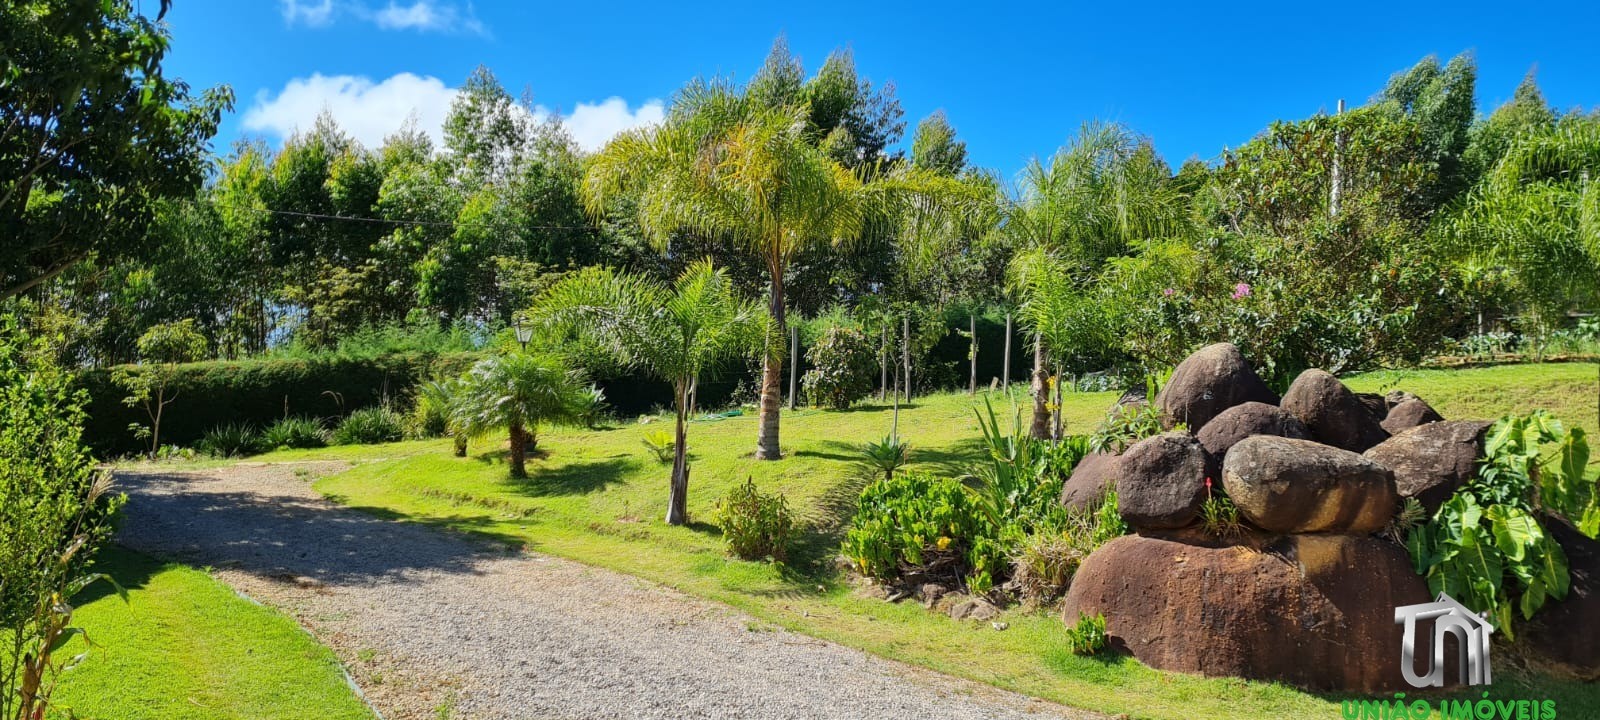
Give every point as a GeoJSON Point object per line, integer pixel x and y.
{"type": "Point", "coordinates": [428, 619]}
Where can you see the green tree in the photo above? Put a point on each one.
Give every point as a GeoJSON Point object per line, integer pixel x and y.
{"type": "Point", "coordinates": [161, 349]}
{"type": "Point", "coordinates": [55, 514]}
{"type": "Point", "coordinates": [935, 147]}
{"type": "Point", "coordinates": [520, 391]}
{"type": "Point", "coordinates": [1442, 102]}
{"type": "Point", "coordinates": [723, 166]}
{"type": "Point", "coordinates": [677, 333]}
{"type": "Point", "coordinates": [1526, 112]}
{"type": "Point", "coordinates": [1097, 198]}
{"type": "Point", "coordinates": [94, 134]}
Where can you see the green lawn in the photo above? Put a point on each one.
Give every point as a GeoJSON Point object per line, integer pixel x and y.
{"type": "Point", "coordinates": [185, 647]}
{"type": "Point", "coordinates": [597, 497]}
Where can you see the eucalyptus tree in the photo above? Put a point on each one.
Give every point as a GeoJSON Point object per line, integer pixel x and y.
{"type": "Point", "coordinates": [723, 165]}
{"type": "Point", "coordinates": [676, 332]}
{"type": "Point", "coordinates": [519, 391]}
{"type": "Point", "coordinates": [1096, 198]}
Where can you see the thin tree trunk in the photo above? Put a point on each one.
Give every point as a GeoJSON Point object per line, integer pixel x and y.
{"type": "Point", "coordinates": [772, 375]}
{"type": "Point", "coordinates": [794, 364]}
{"type": "Point", "coordinates": [678, 494]}
{"type": "Point", "coordinates": [1060, 419]}
{"type": "Point", "coordinates": [883, 365]}
{"type": "Point", "coordinates": [519, 452]}
{"type": "Point", "coordinates": [1041, 392]}
{"type": "Point", "coordinates": [972, 375]}
{"type": "Point", "coordinates": [1005, 372]}
{"type": "Point", "coordinates": [894, 424]}
{"type": "Point", "coordinates": [905, 353]}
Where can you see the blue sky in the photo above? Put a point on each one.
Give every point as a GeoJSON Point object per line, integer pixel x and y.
{"type": "Point", "coordinates": [1016, 80]}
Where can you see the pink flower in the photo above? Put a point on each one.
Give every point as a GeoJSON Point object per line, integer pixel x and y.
{"type": "Point", "coordinates": [1242, 290]}
{"type": "Point", "coordinates": [1168, 292]}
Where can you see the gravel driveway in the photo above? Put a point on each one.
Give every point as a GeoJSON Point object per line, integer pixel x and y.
{"type": "Point", "coordinates": [428, 620]}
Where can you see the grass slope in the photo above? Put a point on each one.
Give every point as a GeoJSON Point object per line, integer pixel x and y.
{"type": "Point", "coordinates": [597, 497]}
{"type": "Point", "coordinates": [185, 647]}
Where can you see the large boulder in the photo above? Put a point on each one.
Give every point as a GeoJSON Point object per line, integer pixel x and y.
{"type": "Point", "coordinates": [1089, 480]}
{"type": "Point", "coordinates": [1431, 461]}
{"type": "Point", "coordinates": [1299, 486]}
{"type": "Point", "coordinates": [1332, 413]}
{"type": "Point", "coordinates": [1409, 414]}
{"type": "Point", "coordinates": [1242, 421]}
{"type": "Point", "coordinates": [1161, 481]}
{"type": "Point", "coordinates": [1315, 611]}
{"type": "Point", "coordinates": [1566, 633]}
{"type": "Point", "coordinates": [1213, 379]}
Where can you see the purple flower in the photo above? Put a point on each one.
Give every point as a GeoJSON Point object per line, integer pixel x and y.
{"type": "Point", "coordinates": [1168, 292]}
{"type": "Point", "coordinates": [1242, 290]}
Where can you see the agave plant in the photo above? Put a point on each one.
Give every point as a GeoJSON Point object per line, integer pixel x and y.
{"type": "Point", "coordinates": [887, 456]}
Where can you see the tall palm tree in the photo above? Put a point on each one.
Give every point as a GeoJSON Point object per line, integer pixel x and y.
{"type": "Point", "coordinates": [723, 165]}
{"type": "Point", "coordinates": [1096, 198]}
{"type": "Point", "coordinates": [675, 333]}
{"type": "Point", "coordinates": [519, 392]}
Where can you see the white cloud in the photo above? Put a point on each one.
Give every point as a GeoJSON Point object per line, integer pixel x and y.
{"type": "Point", "coordinates": [592, 124]}
{"type": "Point", "coordinates": [310, 13]}
{"type": "Point", "coordinates": [368, 111]}
{"type": "Point", "coordinates": [371, 111]}
{"type": "Point", "coordinates": [419, 15]}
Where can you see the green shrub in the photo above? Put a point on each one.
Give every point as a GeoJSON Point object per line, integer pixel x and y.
{"type": "Point", "coordinates": [1043, 566]}
{"type": "Point", "coordinates": [661, 443]}
{"type": "Point", "coordinates": [369, 426]}
{"type": "Point", "coordinates": [916, 521]}
{"type": "Point", "coordinates": [229, 440]}
{"type": "Point", "coordinates": [54, 515]}
{"type": "Point", "coordinates": [755, 525]}
{"type": "Point", "coordinates": [1125, 425]}
{"type": "Point", "coordinates": [295, 433]}
{"type": "Point", "coordinates": [843, 365]}
{"type": "Point", "coordinates": [1088, 636]}
{"type": "Point", "coordinates": [1485, 546]}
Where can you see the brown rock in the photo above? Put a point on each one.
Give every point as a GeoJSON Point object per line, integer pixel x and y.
{"type": "Point", "coordinates": [1409, 414]}
{"type": "Point", "coordinates": [1333, 415]}
{"type": "Point", "coordinates": [973, 609]}
{"type": "Point", "coordinates": [1299, 486]}
{"type": "Point", "coordinates": [1089, 480]}
{"type": "Point", "coordinates": [1395, 397]}
{"type": "Point", "coordinates": [1242, 421]}
{"type": "Point", "coordinates": [1213, 379]}
{"type": "Point", "coordinates": [1565, 634]}
{"type": "Point", "coordinates": [1431, 461]}
{"type": "Point", "coordinates": [1161, 481]}
{"type": "Point", "coordinates": [1315, 611]}
{"type": "Point", "coordinates": [1374, 403]}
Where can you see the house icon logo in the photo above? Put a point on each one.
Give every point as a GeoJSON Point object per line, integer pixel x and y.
{"type": "Point", "coordinates": [1449, 618]}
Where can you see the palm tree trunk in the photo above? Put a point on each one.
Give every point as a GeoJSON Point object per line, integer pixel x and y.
{"type": "Point", "coordinates": [772, 373]}
{"type": "Point", "coordinates": [519, 451]}
{"type": "Point", "coordinates": [461, 444]}
{"type": "Point", "coordinates": [678, 493]}
{"type": "Point", "coordinates": [1041, 392]}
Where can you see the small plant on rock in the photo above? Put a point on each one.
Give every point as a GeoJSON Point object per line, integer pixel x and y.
{"type": "Point", "coordinates": [754, 524]}
{"type": "Point", "coordinates": [1218, 515]}
{"type": "Point", "coordinates": [1125, 425]}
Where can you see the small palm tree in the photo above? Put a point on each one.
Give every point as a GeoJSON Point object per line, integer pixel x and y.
{"type": "Point", "coordinates": [519, 392]}
{"type": "Point", "coordinates": [676, 333]}
{"type": "Point", "coordinates": [728, 165]}
{"type": "Point", "coordinates": [444, 397]}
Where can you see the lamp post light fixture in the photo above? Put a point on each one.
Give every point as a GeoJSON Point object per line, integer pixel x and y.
{"type": "Point", "coordinates": [524, 332]}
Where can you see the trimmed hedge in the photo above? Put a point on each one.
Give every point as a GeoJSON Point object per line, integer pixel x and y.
{"type": "Point", "coordinates": [258, 393]}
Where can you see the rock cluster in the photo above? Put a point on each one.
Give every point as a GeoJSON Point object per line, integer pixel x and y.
{"type": "Point", "coordinates": [1305, 594]}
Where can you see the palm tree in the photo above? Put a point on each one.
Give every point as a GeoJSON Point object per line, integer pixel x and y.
{"type": "Point", "coordinates": [675, 333]}
{"type": "Point", "coordinates": [723, 165]}
{"type": "Point", "coordinates": [444, 397]}
{"type": "Point", "coordinates": [519, 392]}
{"type": "Point", "coordinates": [1095, 199]}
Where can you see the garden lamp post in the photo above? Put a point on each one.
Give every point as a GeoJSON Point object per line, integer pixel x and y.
{"type": "Point", "coordinates": [524, 332]}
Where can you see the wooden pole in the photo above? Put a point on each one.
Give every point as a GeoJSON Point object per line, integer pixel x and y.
{"type": "Point", "coordinates": [1005, 372]}
{"type": "Point", "coordinates": [794, 363]}
{"type": "Point", "coordinates": [905, 352]}
{"type": "Point", "coordinates": [1338, 153]}
{"type": "Point", "coordinates": [972, 378]}
{"type": "Point", "coordinates": [883, 364]}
